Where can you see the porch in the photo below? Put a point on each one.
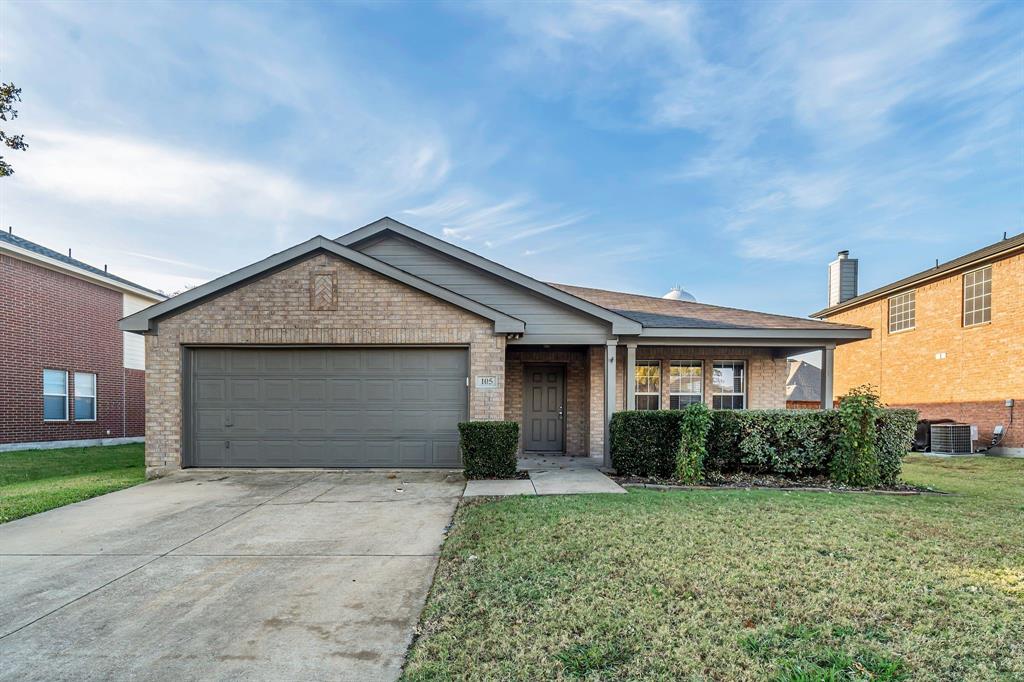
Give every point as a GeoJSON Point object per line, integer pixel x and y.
{"type": "Point", "coordinates": [563, 396]}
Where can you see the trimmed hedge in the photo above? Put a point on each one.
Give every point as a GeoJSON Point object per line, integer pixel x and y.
{"type": "Point", "coordinates": [645, 442]}
{"type": "Point", "coordinates": [788, 443]}
{"type": "Point", "coordinates": [489, 448]}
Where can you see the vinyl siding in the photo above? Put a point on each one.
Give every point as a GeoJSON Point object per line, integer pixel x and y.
{"type": "Point", "coordinates": [545, 320]}
{"type": "Point", "coordinates": [134, 344]}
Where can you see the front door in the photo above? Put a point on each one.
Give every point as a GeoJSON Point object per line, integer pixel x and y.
{"type": "Point", "coordinates": [544, 408]}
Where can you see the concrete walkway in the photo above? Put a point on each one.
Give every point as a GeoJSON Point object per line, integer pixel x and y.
{"type": "Point", "coordinates": [223, 575]}
{"type": "Point", "coordinates": [549, 476]}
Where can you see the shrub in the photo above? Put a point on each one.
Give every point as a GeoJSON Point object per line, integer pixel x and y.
{"type": "Point", "coordinates": [784, 442]}
{"type": "Point", "coordinates": [895, 435]}
{"type": "Point", "coordinates": [489, 448]}
{"type": "Point", "coordinates": [693, 438]}
{"type": "Point", "coordinates": [856, 459]}
{"type": "Point", "coordinates": [724, 442]}
{"type": "Point", "coordinates": [645, 442]}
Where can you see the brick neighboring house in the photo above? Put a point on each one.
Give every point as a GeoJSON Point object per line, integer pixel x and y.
{"type": "Point", "coordinates": [68, 374]}
{"type": "Point", "coordinates": [948, 341]}
{"type": "Point", "coordinates": [367, 350]}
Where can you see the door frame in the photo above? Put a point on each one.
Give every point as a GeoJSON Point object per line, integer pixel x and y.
{"type": "Point", "coordinates": [562, 367]}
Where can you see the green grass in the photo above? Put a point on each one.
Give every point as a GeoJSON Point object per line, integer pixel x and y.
{"type": "Point", "coordinates": [737, 585]}
{"type": "Point", "coordinates": [32, 481]}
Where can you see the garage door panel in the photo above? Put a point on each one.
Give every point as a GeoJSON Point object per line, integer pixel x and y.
{"type": "Point", "coordinates": [379, 359]}
{"type": "Point", "coordinates": [414, 453]}
{"type": "Point", "coordinates": [243, 390]}
{"type": "Point", "coordinates": [446, 454]}
{"type": "Point", "coordinates": [276, 361]}
{"type": "Point", "coordinates": [378, 407]}
{"type": "Point", "coordinates": [211, 420]}
{"type": "Point", "coordinates": [277, 390]}
{"type": "Point", "coordinates": [241, 361]}
{"type": "Point", "coordinates": [379, 421]}
{"type": "Point", "coordinates": [344, 421]}
{"type": "Point", "coordinates": [246, 421]}
{"type": "Point", "coordinates": [379, 390]}
{"type": "Point", "coordinates": [412, 422]}
{"type": "Point", "coordinates": [413, 390]}
{"type": "Point", "coordinates": [210, 390]}
{"type": "Point", "coordinates": [448, 390]}
{"type": "Point", "coordinates": [445, 422]}
{"type": "Point", "coordinates": [310, 422]}
{"type": "Point", "coordinates": [276, 421]}
{"type": "Point", "coordinates": [380, 453]}
{"type": "Point", "coordinates": [211, 452]}
{"type": "Point", "coordinates": [307, 390]}
{"type": "Point", "coordinates": [344, 391]}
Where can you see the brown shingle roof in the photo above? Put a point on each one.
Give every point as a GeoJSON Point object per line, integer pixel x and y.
{"type": "Point", "coordinates": [660, 312]}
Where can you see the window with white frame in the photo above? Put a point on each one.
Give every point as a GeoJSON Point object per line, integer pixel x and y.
{"type": "Point", "coordinates": [978, 296]}
{"type": "Point", "coordinates": [648, 385]}
{"type": "Point", "coordinates": [902, 312]}
{"type": "Point", "coordinates": [55, 395]}
{"type": "Point", "coordinates": [85, 397]}
{"type": "Point", "coordinates": [685, 383]}
{"type": "Point", "coordinates": [729, 385]}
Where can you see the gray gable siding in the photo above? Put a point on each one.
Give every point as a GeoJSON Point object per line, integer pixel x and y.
{"type": "Point", "coordinates": [546, 321]}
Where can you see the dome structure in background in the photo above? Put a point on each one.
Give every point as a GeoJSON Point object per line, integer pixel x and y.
{"type": "Point", "coordinates": [679, 294]}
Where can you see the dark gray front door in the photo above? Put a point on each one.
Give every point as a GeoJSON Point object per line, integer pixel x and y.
{"type": "Point", "coordinates": [326, 407]}
{"type": "Point", "coordinates": [544, 408]}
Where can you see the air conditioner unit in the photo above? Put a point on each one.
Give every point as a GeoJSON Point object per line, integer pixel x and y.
{"type": "Point", "coordinates": [952, 439]}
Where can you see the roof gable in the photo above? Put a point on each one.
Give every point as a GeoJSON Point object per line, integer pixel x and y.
{"type": "Point", "coordinates": [146, 320]}
{"type": "Point", "coordinates": [620, 323]}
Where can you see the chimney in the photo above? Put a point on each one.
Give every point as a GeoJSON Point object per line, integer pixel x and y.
{"type": "Point", "coordinates": [842, 279]}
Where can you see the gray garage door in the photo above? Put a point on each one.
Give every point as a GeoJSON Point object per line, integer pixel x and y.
{"type": "Point", "coordinates": [305, 407]}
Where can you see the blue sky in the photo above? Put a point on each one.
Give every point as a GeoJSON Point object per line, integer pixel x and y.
{"type": "Point", "coordinates": [731, 148]}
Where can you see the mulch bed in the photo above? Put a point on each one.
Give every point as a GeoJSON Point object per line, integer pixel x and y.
{"type": "Point", "coordinates": [748, 481]}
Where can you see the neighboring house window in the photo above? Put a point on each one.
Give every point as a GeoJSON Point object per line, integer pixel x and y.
{"type": "Point", "coordinates": [685, 383]}
{"type": "Point", "coordinates": [55, 395]}
{"type": "Point", "coordinates": [902, 312]}
{"type": "Point", "coordinates": [729, 385]}
{"type": "Point", "coordinates": [978, 296]}
{"type": "Point", "coordinates": [648, 385]}
{"type": "Point", "coordinates": [85, 397]}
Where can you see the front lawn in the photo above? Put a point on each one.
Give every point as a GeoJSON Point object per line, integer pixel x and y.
{"type": "Point", "coordinates": [32, 481]}
{"type": "Point", "coordinates": [737, 585]}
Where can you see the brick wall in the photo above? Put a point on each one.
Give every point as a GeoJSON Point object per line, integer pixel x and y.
{"type": "Point", "coordinates": [53, 320]}
{"type": "Point", "coordinates": [576, 389]}
{"type": "Point", "coordinates": [276, 309]}
{"type": "Point", "coordinates": [981, 365]}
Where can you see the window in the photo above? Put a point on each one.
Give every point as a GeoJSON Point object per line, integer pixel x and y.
{"type": "Point", "coordinates": [85, 397]}
{"type": "Point", "coordinates": [978, 296]}
{"type": "Point", "coordinates": [55, 395]}
{"type": "Point", "coordinates": [728, 383]}
{"type": "Point", "coordinates": [902, 312]}
{"type": "Point", "coordinates": [648, 385]}
{"type": "Point", "coordinates": [685, 383]}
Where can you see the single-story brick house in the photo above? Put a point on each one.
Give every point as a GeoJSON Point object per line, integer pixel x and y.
{"type": "Point", "coordinates": [367, 350]}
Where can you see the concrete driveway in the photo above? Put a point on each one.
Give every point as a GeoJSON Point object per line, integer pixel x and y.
{"type": "Point", "coordinates": [225, 575]}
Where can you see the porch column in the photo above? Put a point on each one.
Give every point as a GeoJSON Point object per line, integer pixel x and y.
{"type": "Point", "coordinates": [630, 376]}
{"type": "Point", "coordinates": [828, 355]}
{"type": "Point", "coordinates": [609, 398]}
